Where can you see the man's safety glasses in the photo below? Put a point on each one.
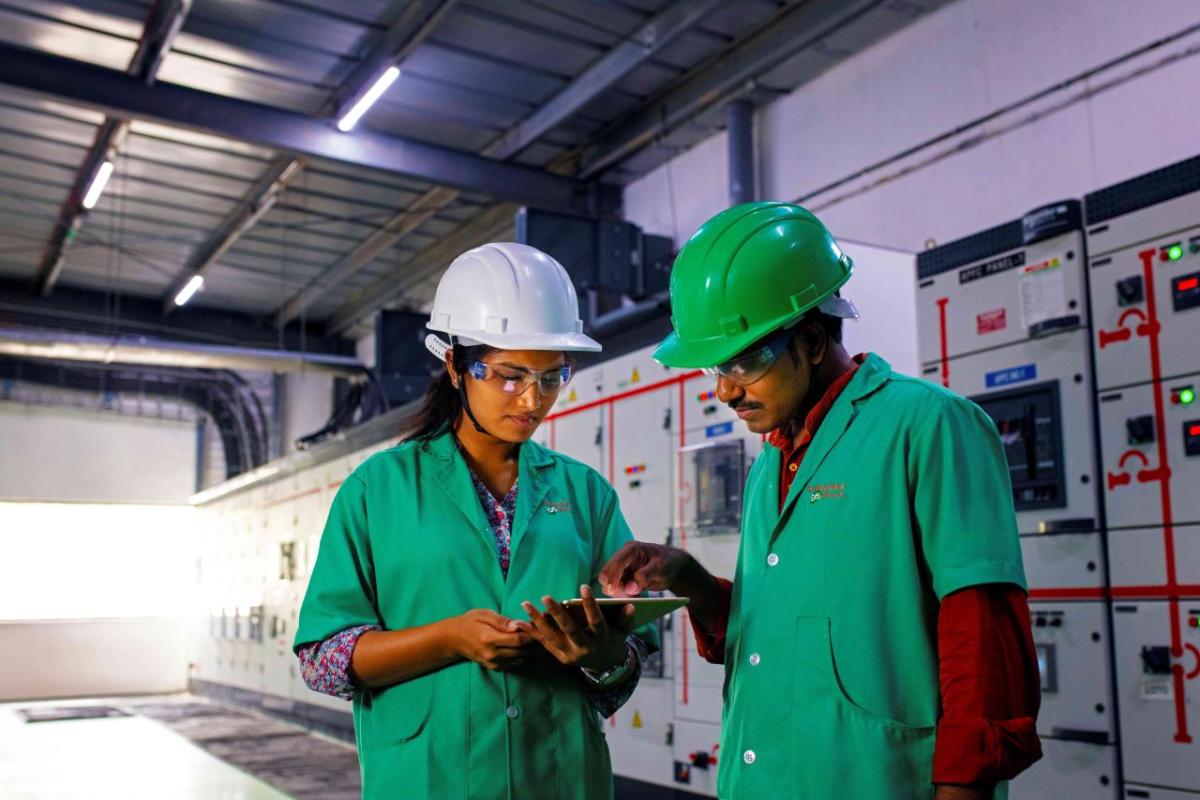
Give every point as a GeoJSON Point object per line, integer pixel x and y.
{"type": "Point", "coordinates": [515, 380]}
{"type": "Point", "coordinates": [750, 365]}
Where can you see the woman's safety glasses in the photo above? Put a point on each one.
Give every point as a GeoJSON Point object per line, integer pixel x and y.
{"type": "Point", "coordinates": [750, 365]}
{"type": "Point", "coordinates": [515, 380]}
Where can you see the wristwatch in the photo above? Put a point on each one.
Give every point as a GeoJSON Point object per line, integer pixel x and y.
{"type": "Point", "coordinates": [612, 675]}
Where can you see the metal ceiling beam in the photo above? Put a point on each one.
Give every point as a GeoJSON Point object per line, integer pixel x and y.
{"type": "Point", "coordinates": [414, 24]}
{"type": "Point", "coordinates": [249, 210]}
{"type": "Point", "coordinates": [800, 25]}
{"type": "Point", "coordinates": [485, 227]}
{"type": "Point", "coordinates": [673, 21]}
{"type": "Point", "coordinates": [115, 93]}
{"type": "Point", "coordinates": [90, 311]}
{"type": "Point", "coordinates": [162, 24]}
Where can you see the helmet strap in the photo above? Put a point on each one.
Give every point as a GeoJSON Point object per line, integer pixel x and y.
{"type": "Point", "coordinates": [462, 396]}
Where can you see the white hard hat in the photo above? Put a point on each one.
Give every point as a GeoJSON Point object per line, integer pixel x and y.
{"type": "Point", "coordinates": [510, 296]}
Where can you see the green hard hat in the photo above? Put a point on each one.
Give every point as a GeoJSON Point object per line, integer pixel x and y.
{"type": "Point", "coordinates": [748, 271]}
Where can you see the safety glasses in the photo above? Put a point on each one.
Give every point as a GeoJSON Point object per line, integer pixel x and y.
{"type": "Point", "coordinates": [750, 365]}
{"type": "Point", "coordinates": [515, 381]}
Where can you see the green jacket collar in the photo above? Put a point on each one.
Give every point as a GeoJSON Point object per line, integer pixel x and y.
{"type": "Point", "coordinates": [445, 447]}
{"type": "Point", "coordinates": [871, 375]}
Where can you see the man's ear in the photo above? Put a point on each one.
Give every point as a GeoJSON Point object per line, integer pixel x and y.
{"type": "Point", "coordinates": [815, 341]}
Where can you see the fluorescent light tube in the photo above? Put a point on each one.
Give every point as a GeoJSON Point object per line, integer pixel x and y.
{"type": "Point", "coordinates": [93, 192]}
{"type": "Point", "coordinates": [186, 292]}
{"type": "Point", "coordinates": [351, 118]}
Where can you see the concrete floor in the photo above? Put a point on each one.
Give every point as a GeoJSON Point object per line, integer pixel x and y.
{"type": "Point", "coordinates": [126, 758]}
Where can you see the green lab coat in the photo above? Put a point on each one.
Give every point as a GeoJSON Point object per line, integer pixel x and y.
{"type": "Point", "coordinates": [831, 687]}
{"type": "Point", "coordinates": [407, 543]}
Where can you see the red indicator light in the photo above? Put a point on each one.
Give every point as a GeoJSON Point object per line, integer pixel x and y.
{"type": "Point", "coordinates": [1194, 430]}
{"type": "Point", "coordinates": [1188, 284]}
{"type": "Point", "coordinates": [706, 396]}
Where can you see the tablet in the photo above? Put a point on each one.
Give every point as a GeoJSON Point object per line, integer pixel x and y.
{"type": "Point", "coordinates": [645, 609]}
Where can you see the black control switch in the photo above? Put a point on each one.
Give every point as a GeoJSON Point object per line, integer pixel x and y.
{"type": "Point", "coordinates": [1140, 430]}
{"type": "Point", "coordinates": [1129, 291]}
{"type": "Point", "coordinates": [1156, 660]}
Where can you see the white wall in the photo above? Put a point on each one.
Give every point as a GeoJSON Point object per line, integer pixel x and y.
{"type": "Point", "coordinates": [95, 599]}
{"type": "Point", "coordinates": [307, 404]}
{"type": "Point", "coordinates": [969, 59]}
{"type": "Point", "coordinates": [886, 297]}
{"type": "Point", "coordinates": [92, 658]}
{"type": "Point", "coordinates": [72, 454]}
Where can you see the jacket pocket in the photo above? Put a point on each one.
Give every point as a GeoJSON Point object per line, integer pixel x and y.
{"type": "Point", "coordinates": [393, 715]}
{"type": "Point", "coordinates": [851, 751]}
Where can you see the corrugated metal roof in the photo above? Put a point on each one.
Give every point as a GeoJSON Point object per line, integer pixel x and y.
{"type": "Point", "coordinates": [487, 66]}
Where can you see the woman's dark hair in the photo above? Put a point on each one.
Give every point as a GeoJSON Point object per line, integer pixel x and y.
{"type": "Point", "coordinates": [442, 403]}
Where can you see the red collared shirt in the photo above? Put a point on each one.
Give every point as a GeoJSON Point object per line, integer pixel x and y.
{"type": "Point", "coordinates": [987, 663]}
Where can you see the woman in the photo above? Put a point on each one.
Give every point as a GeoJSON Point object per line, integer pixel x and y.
{"type": "Point", "coordinates": [434, 548]}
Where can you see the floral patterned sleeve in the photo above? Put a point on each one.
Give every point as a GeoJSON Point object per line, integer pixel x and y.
{"type": "Point", "coordinates": [605, 702]}
{"type": "Point", "coordinates": [325, 666]}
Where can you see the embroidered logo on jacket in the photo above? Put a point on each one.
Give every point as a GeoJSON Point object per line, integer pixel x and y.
{"type": "Point", "coordinates": [562, 506]}
{"type": "Point", "coordinates": [826, 491]}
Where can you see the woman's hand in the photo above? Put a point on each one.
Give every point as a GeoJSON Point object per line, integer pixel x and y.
{"type": "Point", "coordinates": [595, 646]}
{"type": "Point", "coordinates": [489, 639]}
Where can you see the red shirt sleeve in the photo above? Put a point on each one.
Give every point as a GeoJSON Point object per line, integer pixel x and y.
{"type": "Point", "coordinates": [711, 645]}
{"type": "Point", "coordinates": [990, 687]}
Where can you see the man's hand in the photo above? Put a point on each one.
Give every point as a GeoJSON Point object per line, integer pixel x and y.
{"type": "Point", "coordinates": [640, 566]}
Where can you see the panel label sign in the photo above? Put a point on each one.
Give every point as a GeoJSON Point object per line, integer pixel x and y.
{"type": "Point", "coordinates": [718, 430]}
{"type": "Point", "coordinates": [1006, 377]}
{"type": "Point", "coordinates": [989, 268]}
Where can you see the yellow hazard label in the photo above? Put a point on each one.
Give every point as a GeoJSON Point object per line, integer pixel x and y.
{"type": "Point", "coordinates": [635, 378]}
{"type": "Point", "coordinates": [572, 397]}
{"type": "Point", "coordinates": [637, 720]}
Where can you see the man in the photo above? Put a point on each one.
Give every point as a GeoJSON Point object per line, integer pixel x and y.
{"type": "Point", "coordinates": [875, 635]}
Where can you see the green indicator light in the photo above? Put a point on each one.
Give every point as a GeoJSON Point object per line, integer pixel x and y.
{"type": "Point", "coordinates": [1175, 252]}
{"type": "Point", "coordinates": [1187, 397]}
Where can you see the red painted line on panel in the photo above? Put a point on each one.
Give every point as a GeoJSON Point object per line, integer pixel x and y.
{"type": "Point", "coordinates": [678, 379]}
{"type": "Point", "coordinates": [291, 497]}
{"type": "Point", "coordinates": [941, 304]}
{"type": "Point", "coordinates": [1132, 453]}
{"type": "Point", "coordinates": [335, 485]}
{"type": "Point", "coordinates": [1153, 328]}
{"type": "Point", "coordinates": [683, 637]}
{"type": "Point", "coordinates": [1163, 592]}
{"type": "Point", "coordinates": [612, 438]}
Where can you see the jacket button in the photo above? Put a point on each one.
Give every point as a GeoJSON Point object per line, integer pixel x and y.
{"type": "Point", "coordinates": [754, 659]}
{"type": "Point", "coordinates": [749, 757]}
{"type": "Point", "coordinates": [772, 559]}
{"type": "Point", "coordinates": [512, 712]}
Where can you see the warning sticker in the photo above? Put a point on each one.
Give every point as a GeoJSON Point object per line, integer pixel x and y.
{"type": "Point", "coordinates": [1043, 293]}
{"type": "Point", "coordinates": [991, 321]}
